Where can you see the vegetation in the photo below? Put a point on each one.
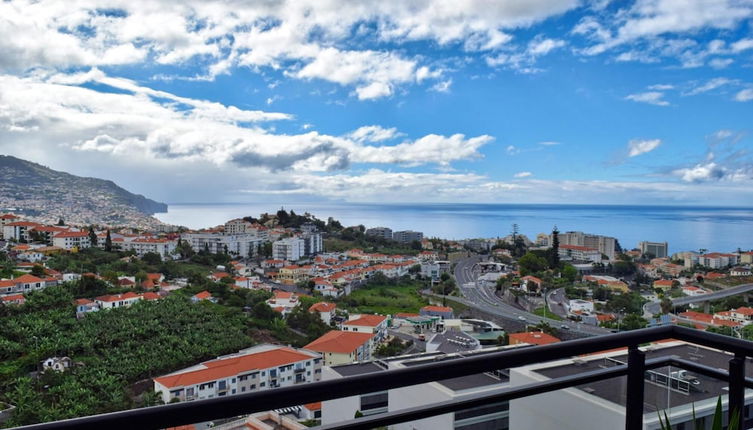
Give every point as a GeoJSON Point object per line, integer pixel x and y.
{"type": "Point", "coordinates": [385, 297]}
{"type": "Point", "coordinates": [392, 348]}
{"type": "Point", "coordinates": [113, 349]}
{"type": "Point", "coordinates": [540, 312]}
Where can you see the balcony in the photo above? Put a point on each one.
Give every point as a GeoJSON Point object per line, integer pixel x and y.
{"type": "Point", "coordinates": [636, 368]}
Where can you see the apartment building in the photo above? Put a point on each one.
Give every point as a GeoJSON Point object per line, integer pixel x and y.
{"type": "Point", "coordinates": [243, 245]}
{"type": "Point", "coordinates": [604, 244]}
{"type": "Point", "coordinates": [6, 219]}
{"type": "Point", "coordinates": [72, 239]}
{"type": "Point", "coordinates": [142, 245]}
{"type": "Point", "coordinates": [343, 347]}
{"type": "Point", "coordinates": [383, 232]}
{"type": "Point", "coordinates": [289, 249]}
{"type": "Point", "coordinates": [253, 369]}
{"type": "Point", "coordinates": [657, 249]}
{"type": "Point", "coordinates": [407, 236]}
{"type": "Point", "coordinates": [601, 404]}
{"type": "Point", "coordinates": [18, 230]}
{"type": "Point", "coordinates": [491, 416]}
{"type": "Point", "coordinates": [579, 253]}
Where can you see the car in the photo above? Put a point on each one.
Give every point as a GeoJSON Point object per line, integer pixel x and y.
{"type": "Point", "coordinates": [521, 317]}
{"type": "Point", "coordinates": [565, 327]}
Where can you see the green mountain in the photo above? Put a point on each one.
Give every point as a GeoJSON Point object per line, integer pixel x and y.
{"type": "Point", "coordinates": [37, 190]}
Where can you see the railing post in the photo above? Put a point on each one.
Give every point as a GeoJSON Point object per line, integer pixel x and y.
{"type": "Point", "coordinates": [737, 389]}
{"type": "Point", "coordinates": [635, 381]}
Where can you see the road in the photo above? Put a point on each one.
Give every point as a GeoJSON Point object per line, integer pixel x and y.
{"type": "Point", "coordinates": [655, 308]}
{"type": "Point", "coordinates": [484, 299]}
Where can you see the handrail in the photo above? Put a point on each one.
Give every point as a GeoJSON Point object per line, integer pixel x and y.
{"type": "Point", "coordinates": [175, 414]}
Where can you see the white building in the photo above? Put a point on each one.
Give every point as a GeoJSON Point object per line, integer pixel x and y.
{"type": "Point", "coordinates": [289, 249]}
{"type": "Point", "coordinates": [578, 305]}
{"type": "Point", "coordinates": [142, 245]}
{"type": "Point", "coordinates": [242, 245]}
{"type": "Point", "coordinates": [18, 230]}
{"type": "Point", "coordinates": [491, 416]}
{"type": "Point", "coordinates": [253, 369]}
{"type": "Point", "coordinates": [579, 253]}
{"type": "Point", "coordinates": [22, 284]}
{"type": "Point", "coordinates": [604, 244]}
{"type": "Point", "coordinates": [111, 301]}
{"type": "Point", "coordinates": [407, 236]}
{"type": "Point", "coordinates": [601, 405]}
{"type": "Point", "coordinates": [72, 239]}
{"type": "Point", "coordinates": [383, 232]}
{"type": "Point", "coordinates": [657, 249]}
{"type": "Point", "coordinates": [374, 324]}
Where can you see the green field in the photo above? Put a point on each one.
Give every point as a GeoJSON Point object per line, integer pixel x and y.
{"type": "Point", "coordinates": [549, 314]}
{"type": "Point", "coordinates": [386, 300]}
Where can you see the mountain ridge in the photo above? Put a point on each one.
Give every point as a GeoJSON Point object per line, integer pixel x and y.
{"type": "Point", "coordinates": [40, 191]}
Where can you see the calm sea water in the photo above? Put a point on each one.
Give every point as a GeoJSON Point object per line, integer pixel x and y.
{"type": "Point", "coordinates": [685, 228]}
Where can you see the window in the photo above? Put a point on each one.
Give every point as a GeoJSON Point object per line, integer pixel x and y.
{"type": "Point", "coordinates": [374, 403]}
{"type": "Point", "coordinates": [223, 385]}
{"type": "Point", "coordinates": [273, 373]}
{"type": "Point", "coordinates": [243, 389]}
{"type": "Point", "coordinates": [233, 381]}
{"type": "Point", "coordinates": [262, 384]}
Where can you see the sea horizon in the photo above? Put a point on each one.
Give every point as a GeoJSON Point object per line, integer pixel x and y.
{"type": "Point", "coordinates": [684, 227]}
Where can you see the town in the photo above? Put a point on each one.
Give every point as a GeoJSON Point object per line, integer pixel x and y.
{"type": "Point", "coordinates": [163, 315]}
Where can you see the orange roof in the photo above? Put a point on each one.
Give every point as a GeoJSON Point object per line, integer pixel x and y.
{"type": "Point", "coordinates": [22, 224]}
{"type": "Point", "coordinates": [343, 342]}
{"type": "Point", "coordinates": [367, 320]}
{"type": "Point", "coordinates": [227, 367]}
{"type": "Point", "coordinates": [203, 295]}
{"type": "Point", "coordinates": [667, 282]}
{"type": "Point", "coordinates": [697, 316]}
{"type": "Point", "coordinates": [316, 406]}
{"type": "Point", "coordinates": [322, 307]}
{"type": "Point", "coordinates": [83, 302]}
{"type": "Point", "coordinates": [406, 315]}
{"type": "Point", "coordinates": [220, 275]}
{"type": "Point", "coordinates": [27, 279]}
{"type": "Point", "coordinates": [13, 297]}
{"type": "Point", "coordinates": [531, 278]}
{"type": "Point", "coordinates": [534, 338]}
{"type": "Point", "coordinates": [153, 276]}
{"type": "Point", "coordinates": [150, 296]}
{"type": "Point", "coordinates": [283, 295]}
{"type": "Point", "coordinates": [744, 311]}
{"type": "Point", "coordinates": [437, 308]}
{"type": "Point", "coordinates": [8, 216]}
{"type": "Point", "coordinates": [71, 234]}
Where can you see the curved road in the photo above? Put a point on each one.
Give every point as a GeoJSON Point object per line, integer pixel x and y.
{"type": "Point", "coordinates": [655, 307]}
{"type": "Point", "coordinates": [483, 298]}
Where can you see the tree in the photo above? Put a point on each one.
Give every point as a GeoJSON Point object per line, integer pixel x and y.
{"type": "Point", "coordinates": [92, 236]}
{"type": "Point", "coordinates": [554, 251]}
{"type": "Point", "coordinates": [633, 322]}
{"type": "Point", "coordinates": [108, 242]}
{"type": "Point", "coordinates": [151, 258]}
{"type": "Point", "coordinates": [666, 305]}
{"type": "Point", "coordinates": [38, 271]}
{"type": "Point", "coordinates": [61, 222]}
{"type": "Point", "coordinates": [569, 272]}
{"type": "Point", "coordinates": [530, 263]}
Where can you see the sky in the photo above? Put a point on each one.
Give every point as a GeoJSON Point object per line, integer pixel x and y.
{"type": "Point", "coordinates": [511, 101]}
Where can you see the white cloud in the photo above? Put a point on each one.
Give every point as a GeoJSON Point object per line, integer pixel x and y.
{"type": "Point", "coordinates": [720, 63]}
{"type": "Point", "coordinates": [661, 87]}
{"type": "Point", "coordinates": [549, 143]}
{"type": "Point", "coordinates": [512, 149]}
{"type": "Point", "coordinates": [745, 95]}
{"type": "Point", "coordinates": [544, 46]}
{"type": "Point", "coordinates": [158, 125]}
{"type": "Point", "coordinates": [742, 45]}
{"type": "Point", "coordinates": [307, 39]}
{"type": "Point", "coordinates": [710, 85]}
{"type": "Point", "coordinates": [523, 174]}
{"type": "Point", "coordinates": [637, 147]}
{"type": "Point", "coordinates": [651, 97]}
{"type": "Point", "coordinates": [443, 86]}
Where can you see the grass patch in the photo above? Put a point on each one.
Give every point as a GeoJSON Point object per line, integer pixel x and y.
{"type": "Point", "coordinates": [385, 300]}
{"type": "Point", "coordinates": [549, 314]}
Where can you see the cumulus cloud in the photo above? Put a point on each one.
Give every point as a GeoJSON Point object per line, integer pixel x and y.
{"type": "Point", "coordinates": [523, 174]}
{"type": "Point", "coordinates": [650, 97]}
{"type": "Point", "coordinates": [745, 95]}
{"type": "Point", "coordinates": [442, 87]}
{"type": "Point", "coordinates": [150, 123]}
{"type": "Point", "coordinates": [637, 147]}
{"type": "Point", "coordinates": [306, 39]}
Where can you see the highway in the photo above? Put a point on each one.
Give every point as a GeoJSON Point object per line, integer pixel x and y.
{"type": "Point", "coordinates": [654, 307]}
{"type": "Point", "coordinates": [484, 299]}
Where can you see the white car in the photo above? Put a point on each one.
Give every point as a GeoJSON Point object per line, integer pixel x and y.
{"type": "Point", "coordinates": [521, 317]}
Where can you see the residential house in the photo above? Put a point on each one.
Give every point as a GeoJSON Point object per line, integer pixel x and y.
{"type": "Point", "coordinates": [283, 302]}
{"type": "Point", "coordinates": [364, 323]}
{"type": "Point", "coordinates": [22, 284]}
{"type": "Point", "coordinates": [111, 301]}
{"type": "Point", "coordinates": [444, 312]}
{"type": "Point", "coordinates": [204, 295]}
{"type": "Point", "coordinates": [326, 310]}
{"type": "Point", "coordinates": [13, 299]}
{"type": "Point", "coordinates": [531, 284]}
{"type": "Point", "coordinates": [72, 240]}
{"type": "Point", "coordinates": [84, 306]}
{"type": "Point", "coordinates": [343, 347]}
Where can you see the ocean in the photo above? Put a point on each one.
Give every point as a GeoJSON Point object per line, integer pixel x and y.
{"type": "Point", "coordinates": [684, 228]}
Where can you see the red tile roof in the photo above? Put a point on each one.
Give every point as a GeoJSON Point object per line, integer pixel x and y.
{"type": "Point", "coordinates": [227, 367]}
{"type": "Point", "coordinates": [534, 338]}
{"type": "Point", "coordinates": [343, 342]}
{"type": "Point", "coordinates": [203, 295]}
{"type": "Point", "coordinates": [367, 320]}
{"type": "Point", "coordinates": [27, 279]}
{"type": "Point", "coordinates": [65, 234]}
{"type": "Point", "coordinates": [322, 307]}
{"type": "Point", "coordinates": [437, 309]}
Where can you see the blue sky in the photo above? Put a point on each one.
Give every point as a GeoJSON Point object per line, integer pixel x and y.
{"type": "Point", "coordinates": [516, 101]}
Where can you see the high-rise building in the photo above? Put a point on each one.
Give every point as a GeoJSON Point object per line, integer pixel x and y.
{"type": "Point", "coordinates": [656, 249]}
{"type": "Point", "coordinates": [604, 244]}
{"type": "Point", "coordinates": [289, 249]}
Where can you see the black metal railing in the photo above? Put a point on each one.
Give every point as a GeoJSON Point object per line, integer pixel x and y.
{"type": "Point", "coordinates": [212, 409]}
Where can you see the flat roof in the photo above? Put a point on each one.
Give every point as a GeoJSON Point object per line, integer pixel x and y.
{"type": "Point", "coordinates": [656, 397]}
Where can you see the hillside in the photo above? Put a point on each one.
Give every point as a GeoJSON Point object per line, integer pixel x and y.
{"type": "Point", "coordinates": [47, 194]}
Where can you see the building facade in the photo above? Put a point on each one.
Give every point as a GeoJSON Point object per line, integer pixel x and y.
{"type": "Point", "coordinates": [407, 236]}
{"type": "Point", "coordinates": [656, 249]}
